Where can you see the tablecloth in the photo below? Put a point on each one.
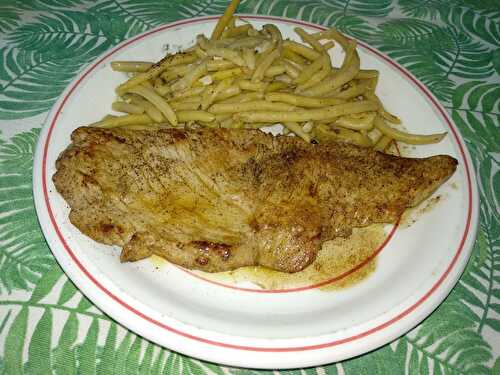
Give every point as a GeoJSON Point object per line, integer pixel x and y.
{"type": "Point", "coordinates": [47, 326]}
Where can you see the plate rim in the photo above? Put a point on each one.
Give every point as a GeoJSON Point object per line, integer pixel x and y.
{"type": "Point", "coordinates": [373, 338]}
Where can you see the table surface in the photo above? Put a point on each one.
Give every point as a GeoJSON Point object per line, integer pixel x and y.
{"type": "Point", "coordinates": [47, 326]}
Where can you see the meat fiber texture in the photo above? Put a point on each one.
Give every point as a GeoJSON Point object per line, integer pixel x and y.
{"type": "Point", "coordinates": [220, 199]}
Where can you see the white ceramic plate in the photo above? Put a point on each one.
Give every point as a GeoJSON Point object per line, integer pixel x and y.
{"type": "Point", "coordinates": [240, 325]}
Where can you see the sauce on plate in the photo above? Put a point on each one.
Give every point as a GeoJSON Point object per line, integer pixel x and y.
{"type": "Point", "coordinates": [336, 258]}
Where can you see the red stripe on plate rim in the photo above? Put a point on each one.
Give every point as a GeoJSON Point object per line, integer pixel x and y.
{"type": "Point", "coordinates": [343, 275]}
{"type": "Point", "coordinates": [155, 322]}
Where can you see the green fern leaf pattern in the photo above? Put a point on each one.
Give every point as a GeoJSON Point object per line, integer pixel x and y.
{"type": "Point", "coordinates": [36, 79]}
{"type": "Point", "coordinates": [68, 291]}
{"type": "Point", "coordinates": [10, 11]}
{"type": "Point", "coordinates": [430, 9]}
{"type": "Point", "coordinates": [476, 111]}
{"type": "Point", "coordinates": [477, 24]}
{"type": "Point", "coordinates": [45, 4]}
{"type": "Point", "coordinates": [131, 17]}
{"type": "Point", "coordinates": [24, 256]}
{"type": "Point", "coordinates": [9, 18]}
{"type": "Point", "coordinates": [49, 52]}
{"type": "Point", "coordinates": [382, 361]}
{"type": "Point", "coordinates": [486, 8]}
{"type": "Point", "coordinates": [39, 358]}
{"type": "Point", "coordinates": [347, 16]}
{"type": "Point", "coordinates": [14, 343]}
{"type": "Point", "coordinates": [459, 323]}
{"type": "Point", "coordinates": [64, 355]}
{"type": "Point", "coordinates": [435, 54]}
{"type": "Point", "coordinates": [478, 17]}
{"type": "Point", "coordinates": [449, 340]}
{"type": "Point", "coordinates": [147, 360]}
{"type": "Point", "coordinates": [238, 371]}
{"type": "Point", "coordinates": [77, 348]}
{"type": "Point", "coordinates": [45, 284]}
{"type": "Point", "coordinates": [299, 9]}
{"type": "Point", "coordinates": [202, 8]}
{"type": "Point", "coordinates": [107, 352]}
{"type": "Point", "coordinates": [60, 32]}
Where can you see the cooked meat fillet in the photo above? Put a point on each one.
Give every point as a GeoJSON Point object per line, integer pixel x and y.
{"type": "Point", "coordinates": [219, 199]}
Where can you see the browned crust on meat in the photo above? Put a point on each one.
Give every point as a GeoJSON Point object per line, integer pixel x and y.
{"type": "Point", "coordinates": [219, 199]}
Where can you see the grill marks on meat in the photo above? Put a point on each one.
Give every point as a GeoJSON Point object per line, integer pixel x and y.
{"type": "Point", "coordinates": [219, 199]}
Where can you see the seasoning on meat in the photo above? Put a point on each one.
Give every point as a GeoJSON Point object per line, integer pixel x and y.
{"type": "Point", "coordinates": [219, 199]}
